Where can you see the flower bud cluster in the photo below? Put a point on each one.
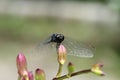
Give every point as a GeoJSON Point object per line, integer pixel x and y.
{"type": "Point", "coordinates": [23, 72]}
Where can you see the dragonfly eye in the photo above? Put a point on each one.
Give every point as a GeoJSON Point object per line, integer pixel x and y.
{"type": "Point", "coordinates": [61, 36]}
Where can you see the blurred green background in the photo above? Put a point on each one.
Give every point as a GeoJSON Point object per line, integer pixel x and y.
{"type": "Point", "coordinates": [23, 24]}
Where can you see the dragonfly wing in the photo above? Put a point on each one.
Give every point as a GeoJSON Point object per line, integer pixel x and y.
{"type": "Point", "coordinates": [45, 46]}
{"type": "Point", "coordinates": [78, 49]}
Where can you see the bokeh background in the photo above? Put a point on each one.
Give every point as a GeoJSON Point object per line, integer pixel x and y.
{"type": "Point", "coordinates": [24, 23]}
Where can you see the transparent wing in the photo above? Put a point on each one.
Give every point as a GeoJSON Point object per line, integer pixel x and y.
{"type": "Point", "coordinates": [44, 47]}
{"type": "Point", "coordinates": [78, 49]}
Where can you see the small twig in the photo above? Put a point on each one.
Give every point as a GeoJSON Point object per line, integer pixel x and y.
{"type": "Point", "coordinates": [73, 74]}
{"type": "Point", "coordinates": [59, 70]}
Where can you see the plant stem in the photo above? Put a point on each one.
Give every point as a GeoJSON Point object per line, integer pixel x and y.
{"type": "Point", "coordinates": [73, 74]}
{"type": "Point", "coordinates": [59, 70]}
{"type": "Point", "coordinates": [19, 78]}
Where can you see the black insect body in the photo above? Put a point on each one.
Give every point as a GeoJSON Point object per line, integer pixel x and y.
{"type": "Point", "coordinates": [57, 38]}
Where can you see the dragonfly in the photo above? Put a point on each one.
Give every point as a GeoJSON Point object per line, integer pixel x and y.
{"type": "Point", "coordinates": [73, 47]}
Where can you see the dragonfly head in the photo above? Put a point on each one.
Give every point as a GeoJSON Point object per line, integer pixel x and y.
{"type": "Point", "coordinates": [58, 38]}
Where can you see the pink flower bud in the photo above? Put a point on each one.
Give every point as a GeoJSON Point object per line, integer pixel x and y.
{"type": "Point", "coordinates": [61, 54]}
{"type": "Point", "coordinates": [21, 64]}
{"type": "Point", "coordinates": [30, 75]}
